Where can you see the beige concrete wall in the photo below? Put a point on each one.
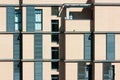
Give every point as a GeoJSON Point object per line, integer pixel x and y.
{"type": "Point", "coordinates": [28, 70]}
{"type": "Point", "coordinates": [6, 46]}
{"type": "Point", "coordinates": [117, 46]}
{"type": "Point", "coordinates": [75, 9]}
{"type": "Point", "coordinates": [46, 70]}
{"type": "Point", "coordinates": [46, 46]}
{"type": "Point", "coordinates": [28, 46]}
{"type": "Point", "coordinates": [24, 19]}
{"type": "Point", "coordinates": [107, 18]}
{"type": "Point", "coordinates": [107, 1]}
{"type": "Point", "coordinates": [117, 71]}
{"type": "Point", "coordinates": [46, 18]}
{"type": "Point", "coordinates": [100, 47]}
{"type": "Point", "coordinates": [74, 46]}
{"type": "Point", "coordinates": [28, 53]}
{"type": "Point", "coordinates": [3, 17]}
{"type": "Point", "coordinates": [98, 71]}
{"type": "Point", "coordinates": [77, 25]}
{"type": "Point", "coordinates": [71, 72]}
{"type": "Point", "coordinates": [53, 1]}
{"type": "Point", "coordinates": [6, 70]}
{"type": "Point", "coordinates": [9, 1]}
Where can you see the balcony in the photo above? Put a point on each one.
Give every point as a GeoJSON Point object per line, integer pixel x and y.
{"type": "Point", "coordinates": [54, 1]}
{"type": "Point", "coordinates": [77, 25]}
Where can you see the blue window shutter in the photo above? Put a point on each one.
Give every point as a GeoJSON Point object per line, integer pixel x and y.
{"type": "Point", "coordinates": [87, 47]}
{"type": "Point", "coordinates": [30, 14]}
{"type": "Point", "coordinates": [110, 46]}
{"type": "Point", "coordinates": [10, 19]}
{"type": "Point", "coordinates": [38, 55]}
{"type": "Point", "coordinates": [16, 55]}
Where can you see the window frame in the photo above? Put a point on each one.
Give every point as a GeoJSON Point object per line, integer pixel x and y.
{"type": "Point", "coordinates": [18, 22]}
{"type": "Point", "coordinates": [37, 28]}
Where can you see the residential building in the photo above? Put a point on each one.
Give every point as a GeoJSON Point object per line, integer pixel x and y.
{"type": "Point", "coordinates": [59, 39]}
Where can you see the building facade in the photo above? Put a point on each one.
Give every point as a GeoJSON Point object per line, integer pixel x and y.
{"type": "Point", "coordinates": [59, 39]}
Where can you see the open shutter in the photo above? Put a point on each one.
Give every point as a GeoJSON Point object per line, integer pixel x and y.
{"type": "Point", "coordinates": [30, 19]}
{"type": "Point", "coordinates": [10, 19]}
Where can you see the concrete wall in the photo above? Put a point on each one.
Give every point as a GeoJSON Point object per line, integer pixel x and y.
{"type": "Point", "coordinates": [3, 17]}
{"type": "Point", "coordinates": [74, 46]}
{"type": "Point", "coordinates": [9, 1]}
{"type": "Point", "coordinates": [117, 46]}
{"type": "Point", "coordinates": [107, 1]}
{"type": "Point", "coordinates": [6, 46]}
{"type": "Point", "coordinates": [77, 25]}
{"type": "Point", "coordinates": [107, 18]}
{"type": "Point", "coordinates": [6, 50]}
{"type": "Point", "coordinates": [98, 71]}
{"type": "Point", "coordinates": [100, 47]}
{"type": "Point", "coordinates": [28, 53]}
{"type": "Point", "coordinates": [71, 71]}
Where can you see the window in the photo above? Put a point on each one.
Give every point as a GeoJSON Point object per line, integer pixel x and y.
{"type": "Point", "coordinates": [55, 55]}
{"type": "Point", "coordinates": [84, 71]}
{"type": "Point", "coordinates": [55, 65]}
{"type": "Point", "coordinates": [55, 77]}
{"type": "Point", "coordinates": [38, 19]}
{"type": "Point", "coordinates": [54, 10]}
{"type": "Point", "coordinates": [55, 28]}
{"type": "Point", "coordinates": [17, 19]}
{"type": "Point", "coordinates": [108, 71]}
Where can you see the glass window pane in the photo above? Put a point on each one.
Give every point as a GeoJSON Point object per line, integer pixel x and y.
{"type": "Point", "coordinates": [38, 26]}
{"type": "Point", "coordinates": [16, 26]}
{"type": "Point", "coordinates": [38, 19]}
{"type": "Point", "coordinates": [16, 18]}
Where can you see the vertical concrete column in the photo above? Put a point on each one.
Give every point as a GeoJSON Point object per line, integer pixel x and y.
{"type": "Point", "coordinates": [67, 12]}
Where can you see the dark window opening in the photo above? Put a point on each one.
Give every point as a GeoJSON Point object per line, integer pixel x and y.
{"type": "Point", "coordinates": [55, 28]}
{"type": "Point", "coordinates": [55, 77]}
{"type": "Point", "coordinates": [55, 65]}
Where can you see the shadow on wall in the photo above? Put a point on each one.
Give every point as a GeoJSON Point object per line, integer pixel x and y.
{"type": "Point", "coordinates": [84, 14]}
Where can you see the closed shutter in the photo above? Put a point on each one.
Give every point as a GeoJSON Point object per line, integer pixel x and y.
{"type": "Point", "coordinates": [10, 19]}
{"type": "Point", "coordinates": [87, 47]}
{"type": "Point", "coordinates": [30, 19]}
{"type": "Point", "coordinates": [38, 55]}
{"type": "Point", "coordinates": [110, 46]}
{"type": "Point", "coordinates": [16, 55]}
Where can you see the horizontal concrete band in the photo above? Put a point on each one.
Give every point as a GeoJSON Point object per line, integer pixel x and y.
{"type": "Point", "coordinates": [57, 60]}
{"type": "Point", "coordinates": [66, 32]}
